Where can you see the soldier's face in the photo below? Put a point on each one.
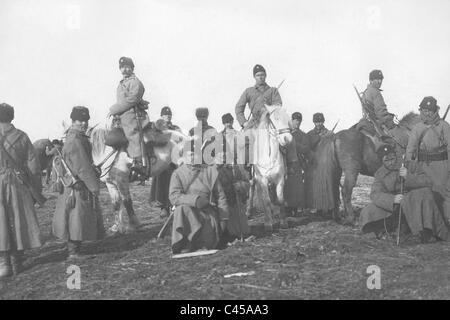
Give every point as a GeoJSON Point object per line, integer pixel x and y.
{"type": "Point", "coordinates": [126, 70]}
{"type": "Point", "coordinates": [229, 125]}
{"type": "Point", "coordinates": [318, 125]}
{"type": "Point", "coordinates": [296, 123]}
{"type": "Point", "coordinates": [260, 77]}
{"type": "Point", "coordinates": [390, 161]}
{"type": "Point", "coordinates": [167, 117]}
{"type": "Point", "coordinates": [377, 83]}
{"type": "Point", "coordinates": [81, 125]}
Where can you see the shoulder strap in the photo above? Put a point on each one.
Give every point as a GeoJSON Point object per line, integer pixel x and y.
{"type": "Point", "coordinates": [186, 189]}
{"type": "Point", "coordinates": [422, 135]}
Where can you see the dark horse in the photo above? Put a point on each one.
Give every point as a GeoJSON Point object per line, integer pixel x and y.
{"type": "Point", "coordinates": [352, 153]}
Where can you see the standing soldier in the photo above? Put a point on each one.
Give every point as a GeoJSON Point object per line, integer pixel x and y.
{"type": "Point", "coordinates": [229, 139]}
{"type": "Point", "coordinates": [429, 146]}
{"type": "Point", "coordinates": [319, 129]}
{"type": "Point", "coordinates": [202, 131]}
{"type": "Point", "coordinates": [297, 157]}
{"type": "Point", "coordinates": [130, 109]}
{"type": "Point", "coordinates": [256, 97]}
{"type": "Point", "coordinates": [77, 216]}
{"type": "Point", "coordinates": [159, 192]}
{"type": "Point", "coordinates": [19, 228]}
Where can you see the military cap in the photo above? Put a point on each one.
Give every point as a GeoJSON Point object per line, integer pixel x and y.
{"type": "Point", "coordinates": [376, 74]}
{"type": "Point", "coordinates": [258, 68]}
{"type": "Point", "coordinates": [297, 116]}
{"type": "Point", "coordinates": [166, 111]}
{"type": "Point", "coordinates": [125, 61]}
{"type": "Point", "coordinates": [80, 113]}
{"type": "Point", "coordinates": [227, 118]}
{"type": "Point", "coordinates": [202, 112]}
{"type": "Point", "coordinates": [318, 117]}
{"type": "Point", "coordinates": [56, 141]}
{"type": "Point", "coordinates": [429, 103]}
{"type": "Point", "coordinates": [386, 150]}
{"type": "Point", "coordinates": [6, 113]}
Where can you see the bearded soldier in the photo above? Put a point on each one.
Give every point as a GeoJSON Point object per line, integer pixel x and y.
{"type": "Point", "coordinates": [428, 147]}
{"type": "Point", "coordinates": [130, 108]}
{"type": "Point", "coordinates": [159, 192]}
{"type": "Point", "coordinates": [256, 97]}
{"type": "Point", "coordinates": [77, 216]}
{"type": "Point", "coordinates": [417, 203]}
{"type": "Point", "coordinates": [19, 228]}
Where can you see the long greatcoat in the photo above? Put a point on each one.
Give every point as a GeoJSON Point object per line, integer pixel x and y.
{"type": "Point", "coordinates": [437, 137]}
{"type": "Point", "coordinates": [418, 204]}
{"type": "Point", "coordinates": [200, 228]}
{"type": "Point", "coordinates": [84, 221]}
{"type": "Point", "coordinates": [19, 228]}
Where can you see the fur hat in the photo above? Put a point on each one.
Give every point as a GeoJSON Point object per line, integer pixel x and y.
{"type": "Point", "coordinates": [227, 118]}
{"type": "Point", "coordinates": [376, 74]}
{"type": "Point", "coordinates": [80, 113]}
{"type": "Point", "coordinates": [202, 113]}
{"type": "Point", "coordinates": [6, 113]}
{"type": "Point", "coordinates": [297, 116]}
{"type": "Point", "coordinates": [385, 150]}
{"type": "Point", "coordinates": [318, 117]}
{"type": "Point", "coordinates": [258, 68]}
{"type": "Point", "coordinates": [125, 61]}
{"type": "Point", "coordinates": [429, 103]}
{"type": "Point", "coordinates": [166, 111]}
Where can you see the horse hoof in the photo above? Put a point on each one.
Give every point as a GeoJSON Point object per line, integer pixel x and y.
{"type": "Point", "coordinates": [284, 224]}
{"type": "Point", "coordinates": [349, 221]}
{"type": "Point", "coordinates": [134, 222]}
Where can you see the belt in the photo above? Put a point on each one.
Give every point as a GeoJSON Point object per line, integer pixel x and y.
{"type": "Point", "coordinates": [433, 156]}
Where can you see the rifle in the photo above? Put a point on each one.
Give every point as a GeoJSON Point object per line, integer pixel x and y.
{"type": "Point", "coordinates": [332, 130]}
{"type": "Point", "coordinates": [141, 137]}
{"type": "Point", "coordinates": [74, 179]}
{"type": "Point", "coordinates": [23, 175]}
{"type": "Point", "coordinates": [402, 182]}
{"type": "Point", "coordinates": [446, 112]}
{"type": "Point", "coordinates": [366, 113]}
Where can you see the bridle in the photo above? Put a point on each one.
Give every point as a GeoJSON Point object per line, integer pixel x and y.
{"type": "Point", "coordinates": [274, 132]}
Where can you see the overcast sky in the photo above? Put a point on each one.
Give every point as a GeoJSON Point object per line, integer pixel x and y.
{"type": "Point", "coordinates": [58, 54]}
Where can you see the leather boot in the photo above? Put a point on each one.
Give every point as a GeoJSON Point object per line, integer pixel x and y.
{"type": "Point", "coordinates": [5, 265]}
{"type": "Point", "coordinates": [73, 250]}
{"type": "Point", "coordinates": [17, 262]}
{"type": "Point", "coordinates": [132, 218]}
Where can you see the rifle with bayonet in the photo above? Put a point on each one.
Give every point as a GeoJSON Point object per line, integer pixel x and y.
{"type": "Point", "coordinates": [25, 177]}
{"type": "Point", "coordinates": [366, 113]}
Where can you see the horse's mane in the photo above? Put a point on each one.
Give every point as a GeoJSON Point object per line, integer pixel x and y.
{"type": "Point", "coordinates": [98, 137]}
{"type": "Point", "coordinates": [409, 120]}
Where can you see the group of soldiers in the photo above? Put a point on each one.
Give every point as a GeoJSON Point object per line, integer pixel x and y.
{"type": "Point", "coordinates": [207, 199]}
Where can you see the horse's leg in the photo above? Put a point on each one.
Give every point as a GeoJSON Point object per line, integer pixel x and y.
{"type": "Point", "coordinates": [280, 198]}
{"type": "Point", "coordinates": [351, 177]}
{"type": "Point", "coordinates": [263, 188]}
{"type": "Point", "coordinates": [123, 185]}
{"type": "Point", "coordinates": [116, 201]}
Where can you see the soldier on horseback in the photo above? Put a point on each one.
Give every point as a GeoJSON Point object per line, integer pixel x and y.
{"type": "Point", "coordinates": [130, 112]}
{"type": "Point", "coordinates": [377, 122]}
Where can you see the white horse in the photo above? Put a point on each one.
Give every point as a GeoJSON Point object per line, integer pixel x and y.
{"type": "Point", "coordinates": [267, 136]}
{"type": "Point", "coordinates": [116, 165]}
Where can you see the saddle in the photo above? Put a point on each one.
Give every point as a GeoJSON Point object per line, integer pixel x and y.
{"type": "Point", "coordinates": [368, 129]}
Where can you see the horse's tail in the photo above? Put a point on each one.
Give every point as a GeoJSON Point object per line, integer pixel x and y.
{"type": "Point", "coordinates": [324, 176]}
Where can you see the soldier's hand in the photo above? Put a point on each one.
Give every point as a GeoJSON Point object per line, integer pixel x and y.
{"type": "Point", "coordinates": [201, 203]}
{"type": "Point", "coordinates": [78, 186]}
{"type": "Point", "coordinates": [398, 198]}
{"type": "Point", "coordinates": [403, 172]}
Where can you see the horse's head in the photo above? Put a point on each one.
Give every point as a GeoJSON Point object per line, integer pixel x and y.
{"type": "Point", "coordinates": [278, 122]}
{"type": "Point", "coordinates": [98, 138]}
{"type": "Point", "coordinates": [409, 120]}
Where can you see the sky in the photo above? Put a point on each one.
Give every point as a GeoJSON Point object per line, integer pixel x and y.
{"type": "Point", "coordinates": [200, 53]}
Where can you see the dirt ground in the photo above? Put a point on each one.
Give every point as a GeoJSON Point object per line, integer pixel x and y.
{"type": "Point", "coordinates": [313, 259]}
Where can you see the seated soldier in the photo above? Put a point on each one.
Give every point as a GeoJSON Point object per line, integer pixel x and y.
{"type": "Point", "coordinates": [417, 203]}
{"type": "Point", "coordinates": [130, 111]}
{"type": "Point", "coordinates": [201, 210]}
{"type": "Point", "coordinates": [56, 145]}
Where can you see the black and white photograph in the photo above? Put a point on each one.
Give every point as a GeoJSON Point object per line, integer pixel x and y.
{"type": "Point", "coordinates": [220, 155]}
